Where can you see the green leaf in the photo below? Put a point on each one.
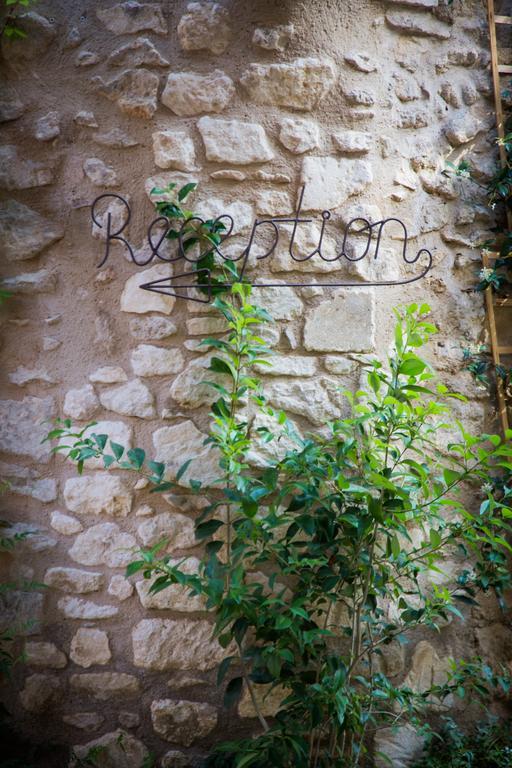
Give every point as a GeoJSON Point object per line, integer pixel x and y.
{"type": "Point", "coordinates": [136, 457]}
{"type": "Point", "coordinates": [181, 471]}
{"type": "Point", "coordinates": [135, 567]}
{"type": "Point", "coordinates": [205, 530]}
{"type": "Point", "coordinates": [116, 449]}
{"type": "Point", "coordinates": [223, 668]}
{"type": "Point", "coordinates": [233, 692]}
{"type": "Point", "coordinates": [186, 190]}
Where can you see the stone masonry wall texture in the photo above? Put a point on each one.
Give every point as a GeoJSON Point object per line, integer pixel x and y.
{"type": "Point", "coordinates": [363, 101]}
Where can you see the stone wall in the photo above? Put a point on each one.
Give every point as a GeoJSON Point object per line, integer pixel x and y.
{"type": "Point", "coordinates": [364, 102]}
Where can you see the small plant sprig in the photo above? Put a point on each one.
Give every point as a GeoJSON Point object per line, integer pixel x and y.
{"type": "Point", "coordinates": [10, 29]}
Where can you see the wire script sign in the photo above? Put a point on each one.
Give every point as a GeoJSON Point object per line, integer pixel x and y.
{"type": "Point", "coordinates": [361, 239]}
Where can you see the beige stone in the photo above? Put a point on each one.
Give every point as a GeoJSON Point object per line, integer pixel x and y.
{"type": "Point", "coordinates": [152, 328]}
{"type": "Point", "coordinates": [206, 326]}
{"type": "Point", "coordinates": [97, 494]}
{"type": "Point", "coordinates": [177, 528]}
{"type": "Point", "coordinates": [361, 61]}
{"type": "Point", "coordinates": [65, 524]}
{"type": "Point", "coordinates": [165, 644]}
{"type": "Point", "coordinates": [106, 685]}
{"type": "Point", "coordinates": [353, 142]}
{"type": "Point", "coordinates": [39, 692]}
{"type": "Point", "coordinates": [234, 141]}
{"type": "Point", "coordinates": [73, 580]}
{"type": "Point", "coordinates": [132, 399]}
{"type": "Point", "coordinates": [174, 149]}
{"type": "Point", "coordinates": [17, 172]}
{"type": "Point", "coordinates": [344, 324]}
{"type": "Point", "coordinates": [89, 647]}
{"type": "Point", "coordinates": [182, 722]}
{"type": "Point", "coordinates": [131, 17]}
{"type": "Point", "coordinates": [305, 398]}
{"type": "Point", "coordinates": [241, 213]}
{"type": "Point", "coordinates": [298, 135]}
{"type": "Point", "coordinates": [120, 587]}
{"type": "Point", "coordinates": [462, 129]}
{"type": "Point", "coordinates": [299, 84]}
{"type": "Point", "coordinates": [137, 53]}
{"type": "Point", "coordinates": [23, 427]}
{"type": "Point", "coordinates": [85, 721]}
{"type": "Point", "coordinates": [134, 299]}
{"type": "Point", "coordinates": [427, 670]}
{"type": "Point", "coordinates": [273, 202]}
{"type": "Point", "coordinates": [24, 233]}
{"type": "Point", "coordinates": [175, 759]}
{"type": "Point", "coordinates": [81, 403]}
{"type": "Point", "coordinates": [339, 365]}
{"type": "Point", "coordinates": [205, 26]}
{"type": "Point", "coordinates": [108, 374]}
{"type": "Point", "coordinates": [190, 389]}
{"type": "Point", "coordinates": [175, 597]}
{"type": "Point", "coordinates": [281, 303]}
{"type": "Point", "coordinates": [75, 608]}
{"type": "Point", "coordinates": [417, 23]}
{"type": "Point", "coordinates": [31, 283]}
{"type": "Point", "coordinates": [99, 173]}
{"type": "Point", "coordinates": [148, 360]}
{"type": "Point", "coordinates": [289, 365]}
{"type": "Point", "coordinates": [273, 38]}
{"type": "Point", "coordinates": [189, 93]}
{"type": "Point", "coordinates": [176, 444]}
{"type": "Point", "coordinates": [103, 543]}
{"type": "Point", "coordinates": [23, 376]}
{"type": "Point", "coordinates": [43, 654]}
{"type": "Point", "coordinates": [117, 749]}
{"type": "Point", "coordinates": [330, 181]}
{"type": "Point", "coordinates": [269, 701]}
{"type": "Point", "coordinates": [115, 138]}
{"type": "Point", "coordinates": [402, 746]}
{"type": "Point", "coordinates": [134, 91]}
{"type": "Point", "coordinates": [128, 719]}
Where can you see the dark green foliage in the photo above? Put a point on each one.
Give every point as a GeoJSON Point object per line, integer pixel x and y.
{"type": "Point", "coordinates": [489, 745]}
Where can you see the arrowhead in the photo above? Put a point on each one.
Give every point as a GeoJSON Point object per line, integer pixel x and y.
{"type": "Point", "coordinates": [169, 287]}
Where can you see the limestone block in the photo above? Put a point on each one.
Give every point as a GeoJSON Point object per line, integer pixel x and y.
{"type": "Point", "coordinates": [85, 721]}
{"type": "Point", "coordinates": [132, 399]}
{"type": "Point", "coordinates": [228, 174]}
{"type": "Point", "coordinates": [427, 670]}
{"type": "Point", "coordinates": [134, 299]}
{"type": "Point", "coordinates": [204, 27]}
{"type": "Point", "coordinates": [281, 303]}
{"type": "Point", "coordinates": [417, 23]}
{"type": "Point", "coordinates": [241, 213]}
{"type": "Point", "coordinates": [261, 452]}
{"type": "Point", "coordinates": [407, 89]}
{"type": "Point", "coordinates": [128, 719]}
{"type": "Point", "coordinates": [437, 184]}
{"type": "Point", "coordinates": [300, 84]}
{"type": "Point", "coordinates": [38, 33]}
{"type": "Point", "coordinates": [39, 692]}
{"type": "Point", "coordinates": [73, 580]}
{"type": "Point", "coordinates": [304, 398]}
{"type": "Point", "coordinates": [148, 360]}
{"type": "Point", "coordinates": [115, 138]}
{"type": "Point", "coordinates": [86, 59]}
{"type": "Point", "coordinates": [273, 38]}
{"type": "Point", "coordinates": [175, 597]}
{"type": "Point", "coordinates": [189, 93]}
{"type": "Point", "coordinates": [403, 746]}
{"type": "Point", "coordinates": [42, 654]}
{"type": "Point", "coordinates": [177, 528]}
{"type": "Point", "coordinates": [360, 60]}
{"type": "Point", "coordinates": [329, 181]}
{"type": "Point", "coordinates": [174, 149]}
{"type": "Point", "coordinates": [355, 313]}
{"type": "Point", "coordinates": [65, 524]}
{"type": "Point", "coordinates": [462, 129]}
{"type": "Point", "coordinates": [353, 142]}
{"type": "Point", "coordinates": [175, 444]}
{"type": "Point", "coordinates": [339, 365]}
{"type": "Point", "coordinates": [206, 326]}
{"type": "Point", "coordinates": [23, 376]}
{"type": "Point", "coordinates": [131, 17]}
{"type": "Point", "coordinates": [299, 136]}
{"type": "Point", "coordinates": [151, 329]}
{"type": "Point", "coordinates": [175, 759]}
{"type": "Point", "coordinates": [103, 543]}
{"type": "Point", "coordinates": [289, 365]}
{"type": "Point", "coordinates": [413, 118]}
{"type": "Point", "coordinates": [23, 427]}
{"type": "Point", "coordinates": [99, 494]}
{"type": "Point", "coordinates": [47, 127]}
{"type": "Point", "coordinates": [359, 97]}
{"type": "Point", "coordinates": [120, 587]}
{"type": "Point", "coordinates": [35, 538]}
{"type": "Point", "coordinates": [233, 141]}
{"type": "Point", "coordinates": [108, 374]}
{"type": "Point", "coordinates": [269, 701]}
{"type": "Point", "coordinates": [16, 172]}
{"type": "Point", "coordinates": [106, 685]}
{"type": "Point", "coordinates": [11, 106]}
{"type": "Point", "coordinates": [134, 91]}
{"type": "Point", "coordinates": [137, 53]}
{"type": "Point", "coordinates": [190, 390]}
{"type": "Point", "coordinates": [31, 283]}
{"type": "Point", "coordinates": [164, 644]}
{"type": "Point", "coordinates": [182, 722]}
{"type": "Point", "coordinates": [118, 749]}
{"type": "Point", "coordinates": [89, 647]}
{"type": "Point", "coordinates": [75, 608]}
{"type": "Point", "coordinates": [99, 173]}
{"type": "Point", "coordinates": [81, 403]}
{"type": "Point", "coordinates": [415, 3]}
{"type": "Point", "coordinates": [28, 482]}
{"type": "Point", "coordinates": [494, 640]}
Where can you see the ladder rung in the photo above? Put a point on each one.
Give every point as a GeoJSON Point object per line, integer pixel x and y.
{"type": "Point", "coordinates": [503, 302]}
{"type": "Point", "coordinates": [503, 19]}
{"type": "Point", "coordinates": [505, 69]}
{"type": "Point", "coordinates": [505, 350]}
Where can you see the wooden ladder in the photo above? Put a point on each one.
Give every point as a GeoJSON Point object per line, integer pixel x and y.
{"type": "Point", "coordinates": [493, 303]}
